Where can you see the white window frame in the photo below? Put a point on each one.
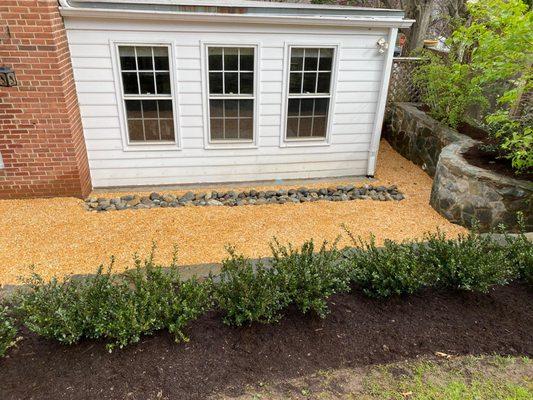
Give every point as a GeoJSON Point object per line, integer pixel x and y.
{"type": "Point", "coordinates": [230, 143]}
{"type": "Point", "coordinates": [128, 145]}
{"type": "Point", "coordinates": [308, 141]}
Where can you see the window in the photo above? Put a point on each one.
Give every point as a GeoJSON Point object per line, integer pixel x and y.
{"type": "Point", "coordinates": [147, 93]}
{"type": "Point", "coordinates": [231, 93]}
{"type": "Point", "coordinates": [309, 92]}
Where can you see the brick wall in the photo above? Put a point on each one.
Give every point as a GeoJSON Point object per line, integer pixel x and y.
{"type": "Point", "coordinates": [41, 137]}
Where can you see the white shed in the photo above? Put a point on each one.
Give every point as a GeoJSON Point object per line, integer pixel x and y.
{"type": "Point", "coordinates": [181, 91]}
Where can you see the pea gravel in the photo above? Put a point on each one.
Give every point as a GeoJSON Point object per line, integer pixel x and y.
{"type": "Point", "coordinates": [60, 237]}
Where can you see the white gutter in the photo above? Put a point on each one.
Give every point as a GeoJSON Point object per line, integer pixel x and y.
{"type": "Point", "coordinates": [67, 10]}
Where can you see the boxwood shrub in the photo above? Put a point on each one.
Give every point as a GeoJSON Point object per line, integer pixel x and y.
{"type": "Point", "coordinates": [8, 331]}
{"type": "Point", "coordinates": [246, 293]}
{"type": "Point", "coordinates": [394, 269]}
{"type": "Point", "coordinates": [116, 308]}
{"type": "Point", "coordinates": [312, 276]}
{"type": "Point", "coordinates": [470, 262]}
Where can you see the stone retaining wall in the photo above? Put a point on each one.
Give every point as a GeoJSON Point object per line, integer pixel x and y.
{"type": "Point", "coordinates": [461, 192]}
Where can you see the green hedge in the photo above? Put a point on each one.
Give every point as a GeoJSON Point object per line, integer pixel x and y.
{"type": "Point", "coordinates": [8, 331]}
{"type": "Point", "coordinates": [118, 309]}
{"type": "Point", "coordinates": [121, 308]}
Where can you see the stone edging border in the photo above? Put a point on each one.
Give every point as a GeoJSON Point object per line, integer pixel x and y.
{"type": "Point", "coordinates": [247, 197]}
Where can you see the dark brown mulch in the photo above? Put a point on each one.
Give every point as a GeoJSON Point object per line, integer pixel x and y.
{"type": "Point", "coordinates": [481, 157]}
{"type": "Point", "coordinates": [222, 360]}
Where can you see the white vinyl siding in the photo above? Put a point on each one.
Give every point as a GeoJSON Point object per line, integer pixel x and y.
{"type": "Point", "coordinates": [353, 110]}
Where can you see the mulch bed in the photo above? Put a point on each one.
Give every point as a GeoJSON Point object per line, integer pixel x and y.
{"type": "Point", "coordinates": [222, 360]}
{"type": "Point", "coordinates": [480, 156]}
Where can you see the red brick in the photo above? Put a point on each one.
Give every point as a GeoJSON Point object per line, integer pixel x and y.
{"type": "Point", "coordinates": [42, 142]}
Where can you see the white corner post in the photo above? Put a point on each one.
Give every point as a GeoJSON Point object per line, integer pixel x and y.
{"type": "Point", "coordinates": [382, 101]}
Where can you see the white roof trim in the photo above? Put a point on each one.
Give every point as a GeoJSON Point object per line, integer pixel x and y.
{"type": "Point", "coordinates": [235, 3]}
{"type": "Point", "coordinates": [332, 20]}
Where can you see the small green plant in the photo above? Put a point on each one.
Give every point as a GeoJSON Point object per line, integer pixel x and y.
{"type": "Point", "coordinates": [8, 331]}
{"type": "Point", "coordinates": [312, 276]}
{"type": "Point", "coordinates": [248, 293]}
{"type": "Point", "coordinates": [393, 269]}
{"type": "Point", "coordinates": [520, 252]}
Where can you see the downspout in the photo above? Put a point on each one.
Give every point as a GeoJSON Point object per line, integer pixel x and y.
{"type": "Point", "coordinates": [382, 100]}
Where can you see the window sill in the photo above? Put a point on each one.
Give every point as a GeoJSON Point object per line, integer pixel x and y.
{"type": "Point", "coordinates": [164, 146]}
{"type": "Point", "coordinates": [231, 145]}
{"type": "Point", "coordinates": [305, 142]}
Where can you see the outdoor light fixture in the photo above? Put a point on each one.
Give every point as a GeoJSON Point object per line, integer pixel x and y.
{"type": "Point", "coordinates": [383, 45]}
{"type": "Point", "coordinates": [7, 77]}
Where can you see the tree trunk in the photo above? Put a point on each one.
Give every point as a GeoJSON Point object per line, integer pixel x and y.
{"type": "Point", "coordinates": [420, 10]}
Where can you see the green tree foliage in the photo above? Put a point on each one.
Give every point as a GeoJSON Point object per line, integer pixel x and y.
{"type": "Point", "coordinates": [487, 75]}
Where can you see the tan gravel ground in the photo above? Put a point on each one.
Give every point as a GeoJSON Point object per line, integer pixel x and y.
{"type": "Point", "coordinates": [59, 237]}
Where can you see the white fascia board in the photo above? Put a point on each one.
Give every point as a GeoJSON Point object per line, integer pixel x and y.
{"type": "Point", "coordinates": [235, 3]}
{"type": "Point", "coordinates": [378, 22]}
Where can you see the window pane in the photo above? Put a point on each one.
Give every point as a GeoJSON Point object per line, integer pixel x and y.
{"type": "Point", "coordinates": [215, 58]}
{"type": "Point", "coordinates": [247, 83]}
{"type": "Point", "coordinates": [127, 58]}
{"type": "Point", "coordinates": [323, 82]}
{"type": "Point", "coordinates": [129, 80]}
{"type": "Point", "coordinates": [167, 129]}
{"type": "Point", "coordinates": [231, 126]}
{"type": "Point", "coordinates": [311, 59]}
{"type": "Point", "coordinates": [216, 108]}
{"type": "Point", "coordinates": [321, 106]}
{"type": "Point", "coordinates": [297, 59]}
{"type": "Point", "coordinates": [292, 127]}
{"type": "Point", "coordinates": [246, 130]}
{"type": "Point", "coordinates": [215, 82]}
{"type": "Point", "coordinates": [163, 82]}
{"type": "Point", "coordinates": [232, 108]}
{"type": "Point", "coordinates": [231, 59]}
{"type": "Point", "coordinates": [305, 126]}
{"type": "Point", "coordinates": [294, 107]}
{"type": "Point", "coordinates": [231, 83]}
{"type": "Point", "coordinates": [217, 129]}
{"type": "Point", "coordinates": [247, 59]}
{"type": "Point", "coordinates": [149, 108]}
{"type": "Point", "coordinates": [246, 108]}
{"type": "Point", "coordinates": [326, 59]}
{"type": "Point", "coordinates": [146, 80]}
{"type": "Point", "coordinates": [133, 109]}
{"type": "Point", "coordinates": [161, 58]}
{"type": "Point", "coordinates": [151, 129]}
{"type": "Point", "coordinates": [295, 85]}
{"type": "Point", "coordinates": [165, 109]}
{"type": "Point", "coordinates": [135, 130]}
{"type": "Point", "coordinates": [306, 107]}
{"type": "Point", "coordinates": [319, 126]}
{"type": "Point", "coordinates": [144, 58]}
{"type": "Point", "coordinates": [309, 82]}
